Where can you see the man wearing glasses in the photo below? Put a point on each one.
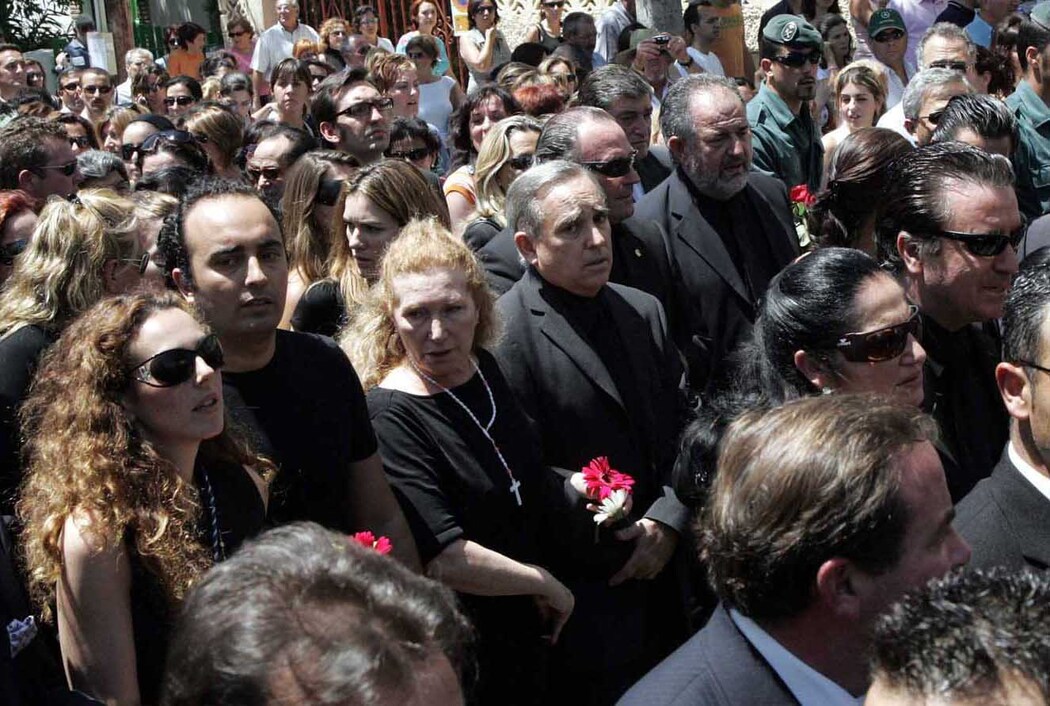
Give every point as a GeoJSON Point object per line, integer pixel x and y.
{"type": "Point", "coordinates": [1030, 103]}
{"type": "Point", "coordinates": [35, 156]}
{"type": "Point", "coordinates": [949, 228]}
{"type": "Point", "coordinates": [96, 89]}
{"type": "Point", "coordinates": [275, 45]}
{"type": "Point", "coordinates": [352, 116]}
{"type": "Point", "coordinates": [729, 229]}
{"type": "Point", "coordinates": [786, 137]}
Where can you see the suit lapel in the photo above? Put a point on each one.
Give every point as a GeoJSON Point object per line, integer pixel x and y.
{"type": "Point", "coordinates": [695, 233]}
{"type": "Point", "coordinates": [561, 333]}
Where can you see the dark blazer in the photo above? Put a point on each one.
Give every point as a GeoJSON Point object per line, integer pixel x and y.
{"type": "Point", "coordinates": [1006, 520]}
{"type": "Point", "coordinates": [639, 248]}
{"type": "Point", "coordinates": [654, 167]}
{"type": "Point", "coordinates": [716, 667]}
{"type": "Point", "coordinates": [712, 303]}
{"type": "Point", "coordinates": [567, 393]}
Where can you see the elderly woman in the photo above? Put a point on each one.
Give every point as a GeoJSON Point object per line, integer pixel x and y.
{"type": "Point", "coordinates": [483, 48]}
{"type": "Point", "coordinates": [133, 488]}
{"type": "Point", "coordinates": [310, 219]}
{"type": "Point", "coordinates": [505, 153]}
{"type": "Point", "coordinates": [103, 170]}
{"type": "Point", "coordinates": [80, 252]}
{"type": "Point", "coordinates": [219, 132]}
{"type": "Point", "coordinates": [17, 221]}
{"type": "Point", "coordinates": [376, 202]}
{"type": "Point", "coordinates": [459, 453]}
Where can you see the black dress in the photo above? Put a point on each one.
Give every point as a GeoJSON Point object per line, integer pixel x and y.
{"type": "Point", "coordinates": [241, 515]}
{"type": "Point", "coordinates": [451, 485]}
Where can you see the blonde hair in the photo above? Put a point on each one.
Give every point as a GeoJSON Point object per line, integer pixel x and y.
{"type": "Point", "coordinates": [868, 75]}
{"type": "Point", "coordinates": [398, 188]}
{"type": "Point", "coordinates": [60, 274]}
{"type": "Point", "coordinates": [493, 154]}
{"type": "Point", "coordinates": [371, 341]}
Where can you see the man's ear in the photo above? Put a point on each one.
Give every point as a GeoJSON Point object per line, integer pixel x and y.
{"type": "Point", "coordinates": [908, 250]}
{"type": "Point", "coordinates": [839, 590]}
{"type": "Point", "coordinates": [183, 282]}
{"type": "Point", "coordinates": [1015, 389]}
{"type": "Point", "coordinates": [526, 248]}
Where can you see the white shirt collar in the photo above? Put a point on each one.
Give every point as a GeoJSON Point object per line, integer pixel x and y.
{"type": "Point", "coordinates": [1041, 482]}
{"type": "Point", "coordinates": [809, 686]}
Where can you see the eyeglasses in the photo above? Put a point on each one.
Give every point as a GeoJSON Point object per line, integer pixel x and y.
{"type": "Point", "coordinates": [363, 110]}
{"type": "Point", "coordinates": [11, 250]}
{"type": "Point", "coordinates": [180, 100]}
{"type": "Point", "coordinates": [411, 155]}
{"type": "Point", "coordinates": [82, 141]}
{"type": "Point", "coordinates": [140, 263]}
{"type": "Point", "coordinates": [881, 344]}
{"type": "Point", "coordinates": [91, 90]}
{"type": "Point", "coordinates": [172, 137]}
{"type": "Point", "coordinates": [234, 35]}
{"type": "Point", "coordinates": [955, 65]}
{"type": "Point", "coordinates": [618, 167]}
{"type": "Point", "coordinates": [523, 162]}
{"type": "Point", "coordinates": [986, 244]}
{"type": "Point", "coordinates": [71, 86]}
{"type": "Point", "coordinates": [67, 169]}
{"type": "Point", "coordinates": [271, 173]}
{"type": "Point", "coordinates": [328, 192]}
{"type": "Point", "coordinates": [796, 60]}
{"type": "Point", "coordinates": [889, 35]}
{"type": "Point", "coordinates": [178, 365]}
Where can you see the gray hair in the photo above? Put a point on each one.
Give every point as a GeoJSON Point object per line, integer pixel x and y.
{"type": "Point", "coordinates": [924, 82]}
{"type": "Point", "coordinates": [561, 133]}
{"type": "Point", "coordinates": [137, 51]}
{"type": "Point", "coordinates": [96, 164]}
{"type": "Point", "coordinates": [608, 84]}
{"type": "Point", "coordinates": [676, 119]}
{"type": "Point", "coordinates": [523, 208]}
{"type": "Point", "coordinates": [945, 30]}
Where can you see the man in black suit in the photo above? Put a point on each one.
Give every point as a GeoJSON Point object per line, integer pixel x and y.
{"type": "Point", "coordinates": [595, 370]}
{"type": "Point", "coordinates": [824, 511]}
{"type": "Point", "coordinates": [628, 98]}
{"type": "Point", "coordinates": [729, 230]}
{"type": "Point", "coordinates": [1006, 517]}
{"type": "Point", "coordinates": [949, 227]}
{"type": "Point", "coordinates": [588, 136]}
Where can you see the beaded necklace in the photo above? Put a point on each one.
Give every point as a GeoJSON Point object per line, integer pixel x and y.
{"type": "Point", "coordinates": [515, 484]}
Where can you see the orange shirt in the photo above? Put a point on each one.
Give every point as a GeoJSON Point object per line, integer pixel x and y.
{"type": "Point", "coordinates": [182, 63]}
{"type": "Point", "coordinates": [730, 45]}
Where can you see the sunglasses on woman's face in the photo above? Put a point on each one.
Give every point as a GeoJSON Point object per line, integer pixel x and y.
{"type": "Point", "coordinates": [881, 344]}
{"type": "Point", "coordinates": [178, 365]}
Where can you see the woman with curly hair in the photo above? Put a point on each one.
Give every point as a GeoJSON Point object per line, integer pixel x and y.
{"type": "Point", "coordinates": [309, 219]}
{"type": "Point", "coordinates": [376, 203]}
{"type": "Point", "coordinates": [79, 253]}
{"type": "Point", "coordinates": [134, 486]}
{"type": "Point", "coordinates": [505, 153]}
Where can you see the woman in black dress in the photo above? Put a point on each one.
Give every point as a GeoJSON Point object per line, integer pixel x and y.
{"type": "Point", "coordinates": [134, 487]}
{"type": "Point", "coordinates": [459, 453]}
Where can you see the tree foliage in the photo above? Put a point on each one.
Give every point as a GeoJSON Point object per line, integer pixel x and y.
{"type": "Point", "coordinates": [35, 24]}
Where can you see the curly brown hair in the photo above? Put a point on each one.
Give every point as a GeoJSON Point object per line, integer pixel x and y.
{"type": "Point", "coordinates": [84, 456]}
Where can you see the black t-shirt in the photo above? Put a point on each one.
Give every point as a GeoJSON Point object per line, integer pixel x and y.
{"type": "Point", "coordinates": [306, 411]}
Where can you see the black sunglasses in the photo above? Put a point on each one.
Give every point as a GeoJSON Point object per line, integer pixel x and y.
{"type": "Point", "coordinates": [173, 137]}
{"type": "Point", "coordinates": [618, 167]}
{"type": "Point", "coordinates": [328, 192]}
{"type": "Point", "coordinates": [881, 344]}
{"type": "Point", "coordinates": [180, 100]}
{"type": "Point", "coordinates": [796, 60]}
{"type": "Point", "coordinates": [178, 365]}
{"type": "Point", "coordinates": [889, 35]}
{"type": "Point", "coordinates": [987, 244]}
{"type": "Point", "coordinates": [522, 162]}
{"type": "Point", "coordinates": [11, 250]}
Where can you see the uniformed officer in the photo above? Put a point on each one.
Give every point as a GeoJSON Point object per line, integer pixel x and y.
{"type": "Point", "coordinates": [786, 138]}
{"type": "Point", "coordinates": [1029, 103]}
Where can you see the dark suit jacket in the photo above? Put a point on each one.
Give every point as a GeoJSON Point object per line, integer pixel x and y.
{"type": "Point", "coordinates": [654, 167]}
{"type": "Point", "coordinates": [1006, 521]}
{"type": "Point", "coordinates": [639, 248]}
{"type": "Point", "coordinates": [567, 393]}
{"type": "Point", "coordinates": [712, 302]}
{"type": "Point", "coordinates": [716, 667]}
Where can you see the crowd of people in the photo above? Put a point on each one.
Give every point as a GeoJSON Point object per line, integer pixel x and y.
{"type": "Point", "coordinates": [588, 375]}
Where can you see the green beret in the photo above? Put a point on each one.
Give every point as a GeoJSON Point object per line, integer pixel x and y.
{"type": "Point", "coordinates": [792, 31]}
